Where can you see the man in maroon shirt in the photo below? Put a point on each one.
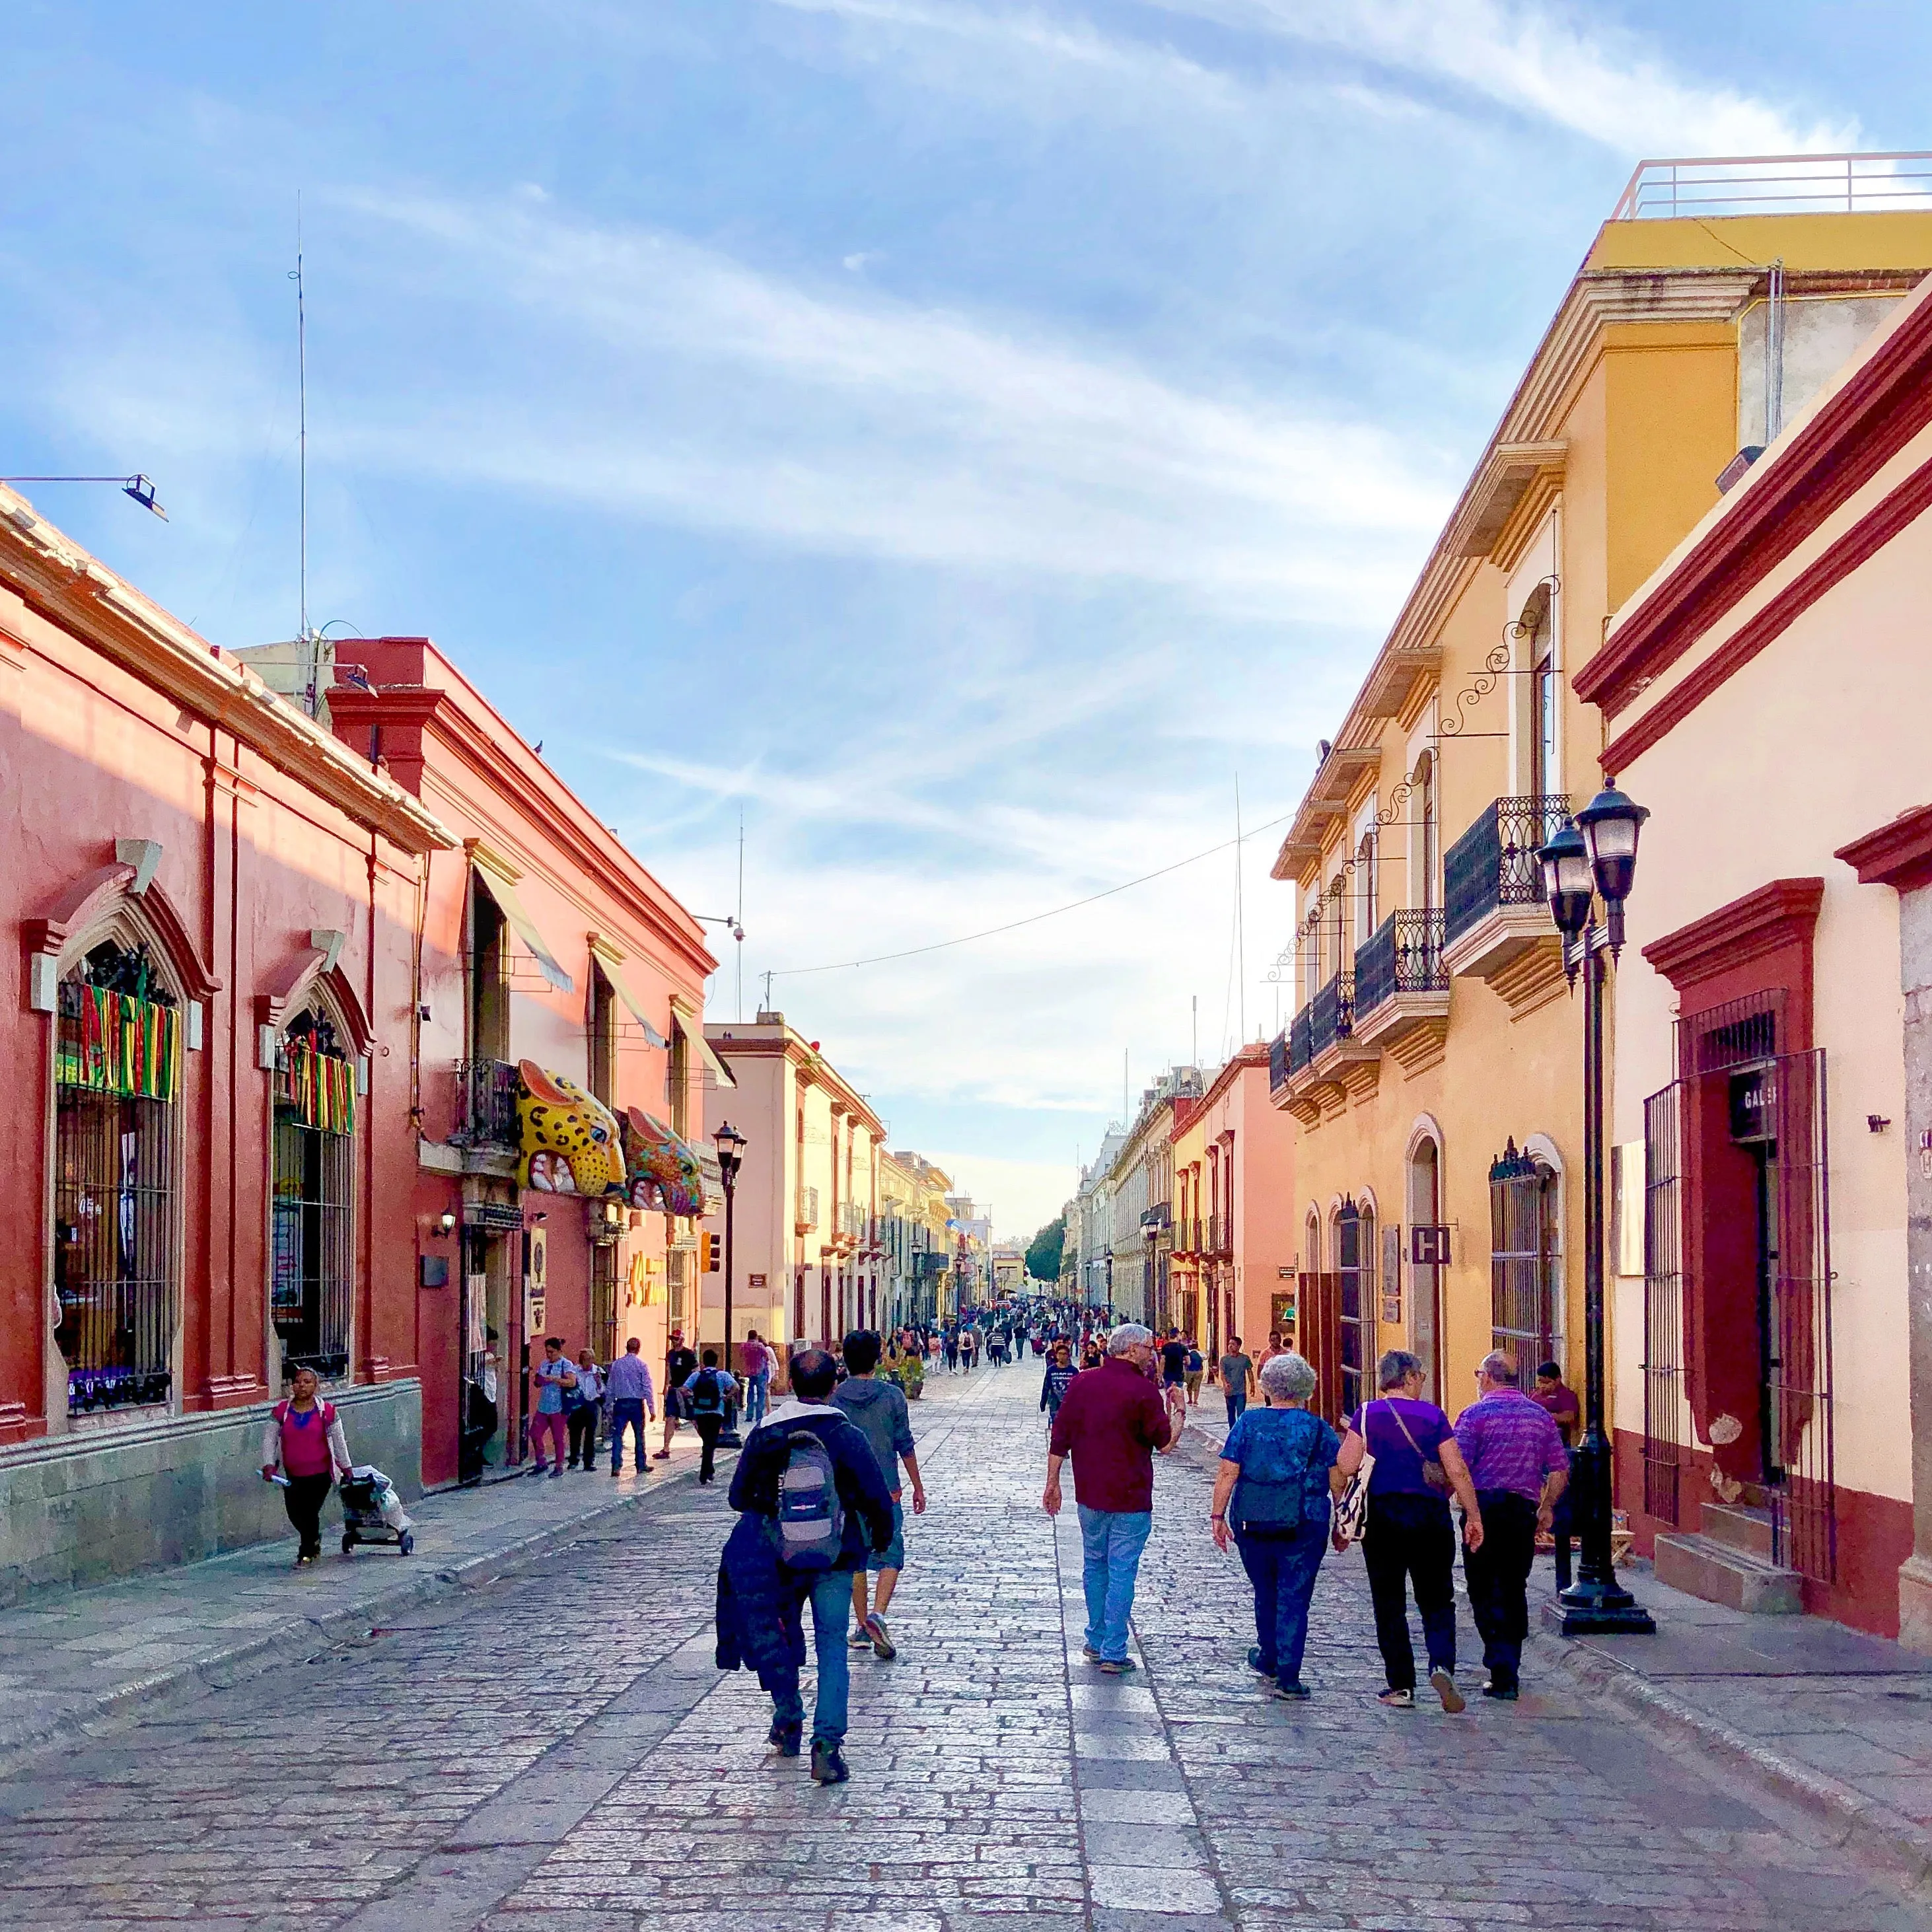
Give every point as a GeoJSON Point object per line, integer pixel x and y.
{"type": "Point", "coordinates": [1111, 1421]}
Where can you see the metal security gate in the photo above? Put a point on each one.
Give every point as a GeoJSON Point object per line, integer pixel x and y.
{"type": "Point", "coordinates": [1664, 1448]}
{"type": "Point", "coordinates": [1525, 1314]}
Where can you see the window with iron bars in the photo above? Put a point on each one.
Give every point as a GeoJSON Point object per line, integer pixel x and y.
{"type": "Point", "coordinates": [1525, 1264]}
{"type": "Point", "coordinates": [312, 1249]}
{"type": "Point", "coordinates": [117, 1083]}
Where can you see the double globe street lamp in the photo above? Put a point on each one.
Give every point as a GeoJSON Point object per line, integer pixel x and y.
{"type": "Point", "coordinates": [1593, 856]}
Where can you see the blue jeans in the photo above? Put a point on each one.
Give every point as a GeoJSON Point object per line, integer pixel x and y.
{"type": "Point", "coordinates": [627, 1413]}
{"type": "Point", "coordinates": [757, 1400]}
{"type": "Point", "coordinates": [1236, 1404]}
{"type": "Point", "coordinates": [1110, 1541]}
{"type": "Point", "coordinates": [831, 1609]}
{"type": "Point", "coordinates": [1281, 1569]}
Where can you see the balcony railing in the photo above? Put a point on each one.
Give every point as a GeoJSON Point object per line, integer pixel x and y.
{"type": "Point", "coordinates": [1278, 1062]}
{"type": "Point", "coordinates": [1405, 956]}
{"type": "Point", "coordinates": [1301, 1043]}
{"type": "Point", "coordinates": [1776, 185]}
{"type": "Point", "coordinates": [486, 1104]}
{"type": "Point", "coordinates": [1493, 864]}
{"type": "Point", "coordinates": [1332, 1016]}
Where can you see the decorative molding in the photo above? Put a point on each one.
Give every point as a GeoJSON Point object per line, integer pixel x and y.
{"type": "Point", "coordinates": [1532, 980]}
{"type": "Point", "coordinates": [1787, 495]}
{"type": "Point", "coordinates": [80, 904]}
{"type": "Point", "coordinates": [1508, 472]}
{"type": "Point", "coordinates": [284, 994]}
{"type": "Point", "coordinates": [1421, 1047]}
{"type": "Point", "coordinates": [1898, 855]}
{"type": "Point", "coordinates": [1862, 542]}
{"type": "Point", "coordinates": [1782, 913]}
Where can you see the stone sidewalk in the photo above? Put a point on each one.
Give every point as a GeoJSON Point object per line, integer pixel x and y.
{"type": "Point", "coordinates": [74, 1661]}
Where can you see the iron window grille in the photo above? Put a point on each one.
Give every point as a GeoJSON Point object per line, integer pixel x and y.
{"type": "Point", "coordinates": [1526, 1266]}
{"type": "Point", "coordinates": [1493, 864]}
{"type": "Point", "coordinates": [312, 1248]}
{"type": "Point", "coordinates": [116, 1086]}
{"type": "Point", "coordinates": [486, 1104]}
{"type": "Point", "coordinates": [1355, 1282]}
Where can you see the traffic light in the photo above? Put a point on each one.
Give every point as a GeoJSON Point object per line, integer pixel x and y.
{"type": "Point", "coordinates": [710, 1252]}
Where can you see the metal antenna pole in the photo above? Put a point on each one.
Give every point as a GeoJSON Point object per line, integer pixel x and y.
{"type": "Point", "coordinates": [741, 912]}
{"type": "Point", "coordinates": [1240, 928]}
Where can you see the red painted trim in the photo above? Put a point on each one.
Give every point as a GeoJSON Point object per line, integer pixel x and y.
{"type": "Point", "coordinates": [1862, 542]}
{"type": "Point", "coordinates": [1899, 854]}
{"type": "Point", "coordinates": [1782, 913]}
{"type": "Point", "coordinates": [290, 987]}
{"type": "Point", "coordinates": [1880, 407]}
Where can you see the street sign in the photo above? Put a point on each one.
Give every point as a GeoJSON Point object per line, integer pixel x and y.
{"type": "Point", "coordinates": [1429, 1247]}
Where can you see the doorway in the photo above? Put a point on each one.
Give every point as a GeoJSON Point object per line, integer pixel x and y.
{"type": "Point", "coordinates": [1425, 1283]}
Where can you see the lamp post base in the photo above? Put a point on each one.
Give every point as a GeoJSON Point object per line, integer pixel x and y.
{"type": "Point", "coordinates": [1600, 1609]}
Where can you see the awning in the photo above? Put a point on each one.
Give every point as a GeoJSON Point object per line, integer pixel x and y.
{"type": "Point", "coordinates": [505, 893]}
{"type": "Point", "coordinates": [662, 1172]}
{"type": "Point", "coordinates": [701, 1047]}
{"type": "Point", "coordinates": [621, 988]}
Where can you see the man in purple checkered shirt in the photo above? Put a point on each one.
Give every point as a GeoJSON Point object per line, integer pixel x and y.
{"type": "Point", "coordinates": [1519, 1465]}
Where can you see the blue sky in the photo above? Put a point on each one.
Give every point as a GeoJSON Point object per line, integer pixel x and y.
{"type": "Point", "coordinates": [968, 437]}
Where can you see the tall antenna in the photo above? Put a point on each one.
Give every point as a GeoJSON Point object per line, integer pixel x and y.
{"type": "Point", "coordinates": [1194, 1002]}
{"type": "Point", "coordinates": [740, 922]}
{"type": "Point", "coordinates": [304, 636]}
{"type": "Point", "coordinates": [1126, 1118]}
{"type": "Point", "coordinates": [1240, 930]}
{"type": "Point", "coordinates": [769, 975]}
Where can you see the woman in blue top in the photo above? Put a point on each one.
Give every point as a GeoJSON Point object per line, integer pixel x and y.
{"type": "Point", "coordinates": [1407, 1536]}
{"type": "Point", "coordinates": [1271, 1495]}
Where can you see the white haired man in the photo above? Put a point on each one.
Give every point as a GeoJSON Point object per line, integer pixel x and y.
{"type": "Point", "coordinates": [1111, 1421]}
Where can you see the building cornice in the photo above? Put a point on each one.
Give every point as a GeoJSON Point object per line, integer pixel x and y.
{"type": "Point", "coordinates": [78, 595]}
{"type": "Point", "coordinates": [1781, 914]}
{"type": "Point", "coordinates": [1898, 855]}
{"type": "Point", "coordinates": [1847, 437]}
{"type": "Point", "coordinates": [810, 1066]}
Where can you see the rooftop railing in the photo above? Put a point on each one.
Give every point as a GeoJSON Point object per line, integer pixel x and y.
{"type": "Point", "coordinates": [1715, 184]}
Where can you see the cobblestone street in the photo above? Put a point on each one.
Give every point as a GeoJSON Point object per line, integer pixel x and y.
{"type": "Point", "coordinates": [555, 1753]}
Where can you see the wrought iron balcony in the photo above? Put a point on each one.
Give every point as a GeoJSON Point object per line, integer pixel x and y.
{"type": "Point", "coordinates": [1332, 1014]}
{"type": "Point", "coordinates": [1405, 956]}
{"type": "Point", "coordinates": [1493, 864]}
{"type": "Point", "coordinates": [486, 1104]}
{"type": "Point", "coordinates": [1278, 1062]}
{"type": "Point", "coordinates": [1300, 1042]}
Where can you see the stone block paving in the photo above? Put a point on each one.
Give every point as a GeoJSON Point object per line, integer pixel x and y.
{"type": "Point", "coordinates": [554, 1751]}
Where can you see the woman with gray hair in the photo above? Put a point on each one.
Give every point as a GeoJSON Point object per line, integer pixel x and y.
{"type": "Point", "coordinates": [1271, 1498]}
{"type": "Point", "coordinates": [1408, 1537]}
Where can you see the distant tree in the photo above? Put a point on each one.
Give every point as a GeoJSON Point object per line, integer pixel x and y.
{"type": "Point", "coordinates": [1043, 1254]}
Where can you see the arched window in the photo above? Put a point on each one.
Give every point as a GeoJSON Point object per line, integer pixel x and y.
{"type": "Point", "coordinates": [1425, 1210]}
{"type": "Point", "coordinates": [1366, 916]}
{"type": "Point", "coordinates": [1526, 1257]}
{"type": "Point", "coordinates": [1355, 1271]}
{"type": "Point", "coordinates": [312, 1248]}
{"type": "Point", "coordinates": [1545, 771]}
{"type": "Point", "coordinates": [117, 1185]}
{"type": "Point", "coordinates": [1422, 891]}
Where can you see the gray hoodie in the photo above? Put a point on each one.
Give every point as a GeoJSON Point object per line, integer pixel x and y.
{"type": "Point", "coordinates": [879, 1409]}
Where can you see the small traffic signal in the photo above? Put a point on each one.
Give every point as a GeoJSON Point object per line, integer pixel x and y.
{"type": "Point", "coordinates": [710, 1252]}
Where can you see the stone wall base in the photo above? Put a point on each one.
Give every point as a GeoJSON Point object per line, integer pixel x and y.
{"type": "Point", "coordinates": [89, 1507]}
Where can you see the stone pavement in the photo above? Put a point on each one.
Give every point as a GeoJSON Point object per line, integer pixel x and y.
{"type": "Point", "coordinates": [552, 1751]}
{"type": "Point", "coordinates": [70, 1659]}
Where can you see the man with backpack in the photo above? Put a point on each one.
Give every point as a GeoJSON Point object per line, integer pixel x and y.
{"type": "Point", "coordinates": [811, 1501]}
{"type": "Point", "coordinates": [879, 1409]}
{"type": "Point", "coordinates": [708, 1393]}
{"type": "Point", "coordinates": [680, 1365]}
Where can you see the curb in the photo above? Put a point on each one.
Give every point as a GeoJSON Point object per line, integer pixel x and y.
{"type": "Point", "coordinates": [1903, 1847]}
{"type": "Point", "coordinates": [219, 1669]}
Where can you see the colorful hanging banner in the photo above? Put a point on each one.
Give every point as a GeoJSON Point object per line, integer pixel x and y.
{"type": "Point", "coordinates": [117, 1043]}
{"type": "Point", "coordinates": [318, 1088]}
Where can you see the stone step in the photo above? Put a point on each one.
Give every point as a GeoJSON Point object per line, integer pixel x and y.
{"type": "Point", "coordinates": [1702, 1567]}
{"type": "Point", "coordinates": [1738, 1526]}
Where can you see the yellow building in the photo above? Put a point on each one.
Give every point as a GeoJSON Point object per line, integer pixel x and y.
{"type": "Point", "coordinates": [1433, 1065]}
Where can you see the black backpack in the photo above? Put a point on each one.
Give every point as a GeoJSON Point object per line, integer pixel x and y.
{"type": "Point", "coordinates": [707, 1398]}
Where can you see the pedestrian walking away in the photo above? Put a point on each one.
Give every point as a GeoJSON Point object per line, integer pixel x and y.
{"type": "Point", "coordinates": [555, 1378]}
{"type": "Point", "coordinates": [1553, 1394]}
{"type": "Point", "coordinates": [627, 1387]}
{"type": "Point", "coordinates": [1058, 1379]}
{"type": "Point", "coordinates": [1196, 1366]}
{"type": "Point", "coordinates": [1271, 1500]}
{"type": "Point", "coordinates": [952, 1351]}
{"type": "Point", "coordinates": [1173, 1360]}
{"type": "Point", "coordinates": [304, 1450]}
{"type": "Point", "coordinates": [582, 1408]}
{"type": "Point", "coordinates": [1409, 1537]}
{"type": "Point", "coordinates": [680, 1365]}
{"type": "Point", "coordinates": [1238, 1375]}
{"type": "Point", "coordinates": [1110, 1423]}
{"type": "Point", "coordinates": [709, 1393]}
{"type": "Point", "coordinates": [812, 1502]}
{"type": "Point", "coordinates": [1518, 1468]}
{"type": "Point", "coordinates": [878, 1409]}
{"type": "Point", "coordinates": [757, 1362]}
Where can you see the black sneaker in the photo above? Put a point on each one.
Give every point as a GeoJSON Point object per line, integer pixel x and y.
{"type": "Point", "coordinates": [1255, 1664]}
{"type": "Point", "coordinates": [828, 1763]}
{"type": "Point", "coordinates": [1118, 1667]}
{"type": "Point", "coordinates": [1503, 1693]}
{"type": "Point", "coordinates": [787, 1738]}
{"type": "Point", "coordinates": [1293, 1694]}
{"type": "Point", "coordinates": [1092, 1655]}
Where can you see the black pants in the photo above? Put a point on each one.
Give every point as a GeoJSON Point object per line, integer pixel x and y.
{"type": "Point", "coordinates": [1563, 1527]}
{"type": "Point", "coordinates": [582, 1423]}
{"type": "Point", "coordinates": [1498, 1578]}
{"type": "Point", "coordinates": [707, 1427]}
{"type": "Point", "coordinates": [1410, 1539]}
{"type": "Point", "coordinates": [303, 1499]}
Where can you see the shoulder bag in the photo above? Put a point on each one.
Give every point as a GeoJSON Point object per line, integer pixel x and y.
{"type": "Point", "coordinates": [1351, 1507]}
{"type": "Point", "coordinates": [1433, 1473]}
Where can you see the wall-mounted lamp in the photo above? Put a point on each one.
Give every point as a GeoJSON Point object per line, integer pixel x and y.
{"type": "Point", "coordinates": [446, 1222]}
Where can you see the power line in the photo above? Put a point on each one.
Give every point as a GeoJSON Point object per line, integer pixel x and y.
{"type": "Point", "coordinates": [1032, 919]}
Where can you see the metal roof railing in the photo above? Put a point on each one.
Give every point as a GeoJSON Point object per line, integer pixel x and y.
{"type": "Point", "coordinates": [1664, 191]}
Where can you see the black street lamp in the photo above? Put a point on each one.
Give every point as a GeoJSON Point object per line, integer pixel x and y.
{"type": "Point", "coordinates": [1595, 854]}
{"type": "Point", "coordinates": [731, 1145]}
